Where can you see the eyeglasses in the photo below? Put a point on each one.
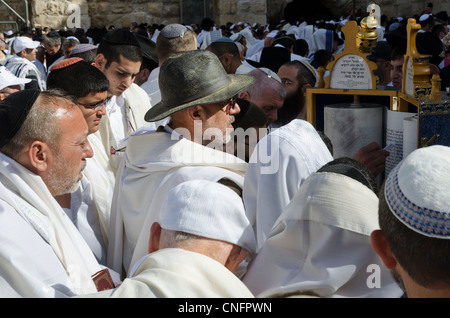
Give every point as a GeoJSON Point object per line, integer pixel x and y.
{"type": "Point", "coordinates": [230, 105]}
{"type": "Point", "coordinates": [96, 106]}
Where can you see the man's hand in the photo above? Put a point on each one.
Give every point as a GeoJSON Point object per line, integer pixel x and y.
{"type": "Point", "coordinates": [373, 157]}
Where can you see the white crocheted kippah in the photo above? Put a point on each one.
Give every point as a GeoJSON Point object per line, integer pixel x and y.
{"type": "Point", "coordinates": [417, 188]}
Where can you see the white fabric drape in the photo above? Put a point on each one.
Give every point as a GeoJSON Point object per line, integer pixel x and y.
{"type": "Point", "coordinates": [320, 244]}
{"type": "Point", "coordinates": [27, 194]}
{"type": "Point", "coordinates": [153, 164]}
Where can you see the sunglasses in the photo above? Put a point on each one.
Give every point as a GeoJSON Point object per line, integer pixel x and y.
{"type": "Point", "coordinates": [230, 105]}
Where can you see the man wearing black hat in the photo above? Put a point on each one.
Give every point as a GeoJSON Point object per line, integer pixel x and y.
{"type": "Point", "coordinates": [43, 253]}
{"type": "Point", "coordinates": [199, 97]}
{"type": "Point", "coordinates": [119, 57]}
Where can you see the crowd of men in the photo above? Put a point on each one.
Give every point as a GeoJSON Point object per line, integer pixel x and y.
{"type": "Point", "coordinates": [176, 161]}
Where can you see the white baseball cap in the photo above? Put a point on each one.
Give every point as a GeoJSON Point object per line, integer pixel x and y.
{"type": "Point", "coordinates": [23, 42]}
{"type": "Point", "coordinates": [9, 79]}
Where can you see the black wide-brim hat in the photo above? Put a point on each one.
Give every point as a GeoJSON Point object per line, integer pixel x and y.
{"type": "Point", "coordinates": [272, 58]}
{"type": "Point", "coordinates": [194, 78]}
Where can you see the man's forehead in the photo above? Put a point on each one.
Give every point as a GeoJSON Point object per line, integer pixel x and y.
{"type": "Point", "coordinates": [126, 65]}
{"type": "Point", "coordinates": [397, 62]}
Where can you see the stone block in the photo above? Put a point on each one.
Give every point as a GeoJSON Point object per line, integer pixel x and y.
{"type": "Point", "coordinates": [171, 10]}
{"type": "Point", "coordinates": [155, 8]}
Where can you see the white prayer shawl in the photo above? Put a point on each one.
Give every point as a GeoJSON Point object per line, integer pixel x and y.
{"type": "Point", "coordinates": [137, 103]}
{"type": "Point", "coordinates": [23, 68]}
{"type": "Point", "coordinates": [102, 183]}
{"type": "Point", "coordinates": [321, 39]}
{"type": "Point", "coordinates": [177, 273]}
{"type": "Point", "coordinates": [320, 244]}
{"type": "Point", "coordinates": [26, 194]}
{"type": "Point", "coordinates": [257, 46]}
{"type": "Point", "coordinates": [278, 166]}
{"type": "Point", "coordinates": [151, 87]}
{"type": "Point", "coordinates": [154, 163]}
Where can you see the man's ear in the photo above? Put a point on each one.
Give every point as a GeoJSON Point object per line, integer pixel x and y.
{"type": "Point", "coordinates": [100, 61]}
{"type": "Point", "coordinates": [155, 235]}
{"type": "Point", "coordinates": [244, 95]}
{"type": "Point", "coordinates": [381, 247]}
{"type": "Point", "coordinates": [39, 155]}
{"type": "Point", "coordinates": [196, 112]}
{"type": "Point", "coordinates": [145, 73]}
{"type": "Point", "coordinates": [304, 87]}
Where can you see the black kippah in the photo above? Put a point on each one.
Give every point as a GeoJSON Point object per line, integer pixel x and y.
{"type": "Point", "coordinates": [13, 112]}
{"type": "Point", "coordinates": [351, 168]}
{"type": "Point", "coordinates": [121, 37]}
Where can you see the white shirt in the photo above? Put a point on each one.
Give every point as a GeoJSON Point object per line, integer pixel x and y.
{"type": "Point", "coordinates": [84, 216]}
{"type": "Point", "coordinates": [280, 163]}
{"type": "Point", "coordinates": [118, 118]}
{"type": "Point", "coordinates": [151, 87]}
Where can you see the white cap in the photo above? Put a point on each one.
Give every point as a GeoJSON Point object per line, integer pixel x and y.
{"type": "Point", "coordinates": [9, 79]}
{"type": "Point", "coordinates": [270, 74]}
{"type": "Point", "coordinates": [23, 42]}
{"type": "Point", "coordinates": [417, 191]}
{"type": "Point", "coordinates": [208, 209]}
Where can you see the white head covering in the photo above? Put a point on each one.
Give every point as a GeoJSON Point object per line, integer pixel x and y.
{"type": "Point", "coordinates": [417, 191]}
{"type": "Point", "coordinates": [320, 244]}
{"type": "Point", "coordinates": [23, 42]}
{"type": "Point", "coordinates": [9, 79]}
{"type": "Point", "coordinates": [247, 33]}
{"type": "Point", "coordinates": [271, 74]}
{"type": "Point", "coordinates": [208, 209]}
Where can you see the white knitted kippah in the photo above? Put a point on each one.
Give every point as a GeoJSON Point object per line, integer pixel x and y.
{"type": "Point", "coordinates": [417, 188]}
{"type": "Point", "coordinates": [208, 209]}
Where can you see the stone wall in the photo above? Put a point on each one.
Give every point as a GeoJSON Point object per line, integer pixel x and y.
{"type": "Point", "coordinates": [7, 15]}
{"type": "Point", "coordinates": [99, 13]}
{"type": "Point", "coordinates": [121, 13]}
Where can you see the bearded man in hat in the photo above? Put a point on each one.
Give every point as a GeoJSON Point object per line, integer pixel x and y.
{"type": "Point", "coordinates": [119, 58]}
{"type": "Point", "coordinates": [43, 254]}
{"type": "Point", "coordinates": [198, 95]}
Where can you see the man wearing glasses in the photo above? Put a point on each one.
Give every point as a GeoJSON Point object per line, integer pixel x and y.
{"type": "Point", "coordinates": [198, 95]}
{"type": "Point", "coordinates": [89, 205]}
